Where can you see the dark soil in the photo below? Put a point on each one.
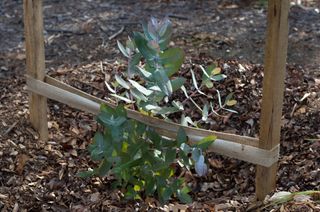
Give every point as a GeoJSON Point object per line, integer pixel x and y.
{"type": "Point", "coordinates": [37, 175]}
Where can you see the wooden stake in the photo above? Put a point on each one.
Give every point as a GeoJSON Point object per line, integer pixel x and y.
{"type": "Point", "coordinates": [34, 41]}
{"type": "Point", "coordinates": [273, 89]}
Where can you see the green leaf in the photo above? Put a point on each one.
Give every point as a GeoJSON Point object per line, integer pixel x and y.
{"type": "Point", "coordinates": [111, 120]}
{"type": "Point", "coordinates": [171, 60]}
{"type": "Point", "coordinates": [215, 70]}
{"type": "Point", "coordinates": [206, 73]}
{"type": "Point", "coordinates": [167, 110]}
{"type": "Point", "coordinates": [231, 102]}
{"type": "Point", "coordinates": [122, 82]}
{"type": "Point", "coordinates": [145, 73]}
{"type": "Point", "coordinates": [185, 91]}
{"type": "Point", "coordinates": [128, 165]}
{"type": "Point", "coordinates": [185, 120]}
{"type": "Point", "coordinates": [184, 160]}
{"type": "Point", "coordinates": [219, 98]}
{"type": "Point", "coordinates": [86, 174]}
{"type": "Point", "coordinates": [129, 101]}
{"type": "Point", "coordinates": [122, 49]}
{"type": "Point", "coordinates": [208, 83]}
{"type": "Point", "coordinates": [131, 194]}
{"type": "Point", "coordinates": [130, 44]}
{"type": "Point", "coordinates": [149, 107]}
{"type": "Point", "coordinates": [104, 168]}
{"type": "Point", "coordinates": [106, 108]}
{"type": "Point", "coordinates": [183, 195]}
{"type": "Point", "coordinates": [181, 136]}
{"type": "Point", "coordinates": [98, 147]}
{"type": "Point", "coordinates": [163, 81]}
{"type": "Point", "coordinates": [138, 95]}
{"type": "Point", "coordinates": [218, 77]}
{"type": "Point", "coordinates": [177, 83]}
{"type": "Point", "coordinates": [194, 80]}
{"type": "Point", "coordinates": [170, 155]}
{"type": "Point", "coordinates": [228, 98]}
{"type": "Point", "coordinates": [150, 186]}
{"type": "Point", "coordinates": [135, 59]}
{"type": "Point", "coordinates": [132, 65]}
{"type": "Point", "coordinates": [185, 148]}
{"type": "Point", "coordinates": [140, 88]}
{"type": "Point", "coordinates": [205, 112]}
{"type": "Point", "coordinates": [109, 87]}
{"type": "Point", "coordinates": [136, 188]}
{"type": "Point", "coordinates": [196, 153]}
{"type": "Point", "coordinates": [195, 84]}
{"type": "Point", "coordinates": [165, 33]}
{"type": "Point", "coordinates": [178, 105]}
{"type": "Point", "coordinates": [206, 142]}
{"type": "Point", "coordinates": [166, 194]}
{"type": "Point", "coordinates": [143, 47]}
{"type": "Point", "coordinates": [146, 31]}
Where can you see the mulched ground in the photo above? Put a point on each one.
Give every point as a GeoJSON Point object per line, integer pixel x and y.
{"type": "Point", "coordinates": [36, 175]}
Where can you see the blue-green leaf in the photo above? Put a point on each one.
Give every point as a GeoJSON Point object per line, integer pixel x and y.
{"type": "Point", "coordinates": [98, 147]}
{"type": "Point", "coordinates": [111, 120]}
{"type": "Point", "coordinates": [104, 168]}
{"type": "Point", "coordinates": [140, 88]}
{"type": "Point", "coordinates": [200, 166]}
{"type": "Point", "coordinates": [181, 136]}
{"type": "Point", "coordinates": [86, 174]}
{"type": "Point", "coordinates": [122, 49]}
{"type": "Point", "coordinates": [143, 47]}
{"type": "Point", "coordinates": [129, 101]}
{"type": "Point", "coordinates": [163, 81]}
{"type": "Point", "coordinates": [177, 83]}
{"type": "Point", "coordinates": [170, 155]}
{"type": "Point", "coordinates": [218, 77]}
{"type": "Point", "coordinates": [109, 87]}
{"type": "Point", "coordinates": [122, 82]}
{"type": "Point", "coordinates": [183, 195]}
{"type": "Point", "coordinates": [172, 59]}
{"type": "Point", "coordinates": [205, 112]}
{"type": "Point", "coordinates": [144, 73]}
{"type": "Point", "coordinates": [138, 95]}
{"type": "Point", "coordinates": [178, 105]}
{"type": "Point", "coordinates": [196, 153]}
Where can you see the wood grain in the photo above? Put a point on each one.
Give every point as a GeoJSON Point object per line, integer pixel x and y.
{"type": "Point", "coordinates": [35, 61]}
{"type": "Point", "coordinates": [273, 90]}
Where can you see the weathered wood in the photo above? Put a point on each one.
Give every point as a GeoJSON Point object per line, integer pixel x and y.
{"type": "Point", "coordinates": [225, 147]}
{"type": "Point", "coordinates": [34, 42]}
{"type": "Point", "coordinates": [158, 122]}
{"type": "Point", "coordinates": [273, 89]}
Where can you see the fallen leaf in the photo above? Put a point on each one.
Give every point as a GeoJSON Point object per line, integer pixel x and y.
{"type": "Point", "coordinates": [21, 161]}
{"type": "Point", "coordinates": [231, 102]}
{"type": "Point", "coordinates": [215, 163]}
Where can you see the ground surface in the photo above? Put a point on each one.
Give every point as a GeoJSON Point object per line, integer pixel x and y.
{"type": "Point", "coordinates": [36, 175]}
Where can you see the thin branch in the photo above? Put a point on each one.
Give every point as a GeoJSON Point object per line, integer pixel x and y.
{"type": "Point", "coordinates": [116, 34]}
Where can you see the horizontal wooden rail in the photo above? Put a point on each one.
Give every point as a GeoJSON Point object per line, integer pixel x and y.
{"type": "Point", "coordinates": [239, 147]}
{"type": "Point", "coordinates": [152, 121]}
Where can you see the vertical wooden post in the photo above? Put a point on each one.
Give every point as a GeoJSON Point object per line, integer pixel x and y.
{"type": "Point", "coordinates": [273, 89]}
{"type": "Point", "coordinates": [34, 41]}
